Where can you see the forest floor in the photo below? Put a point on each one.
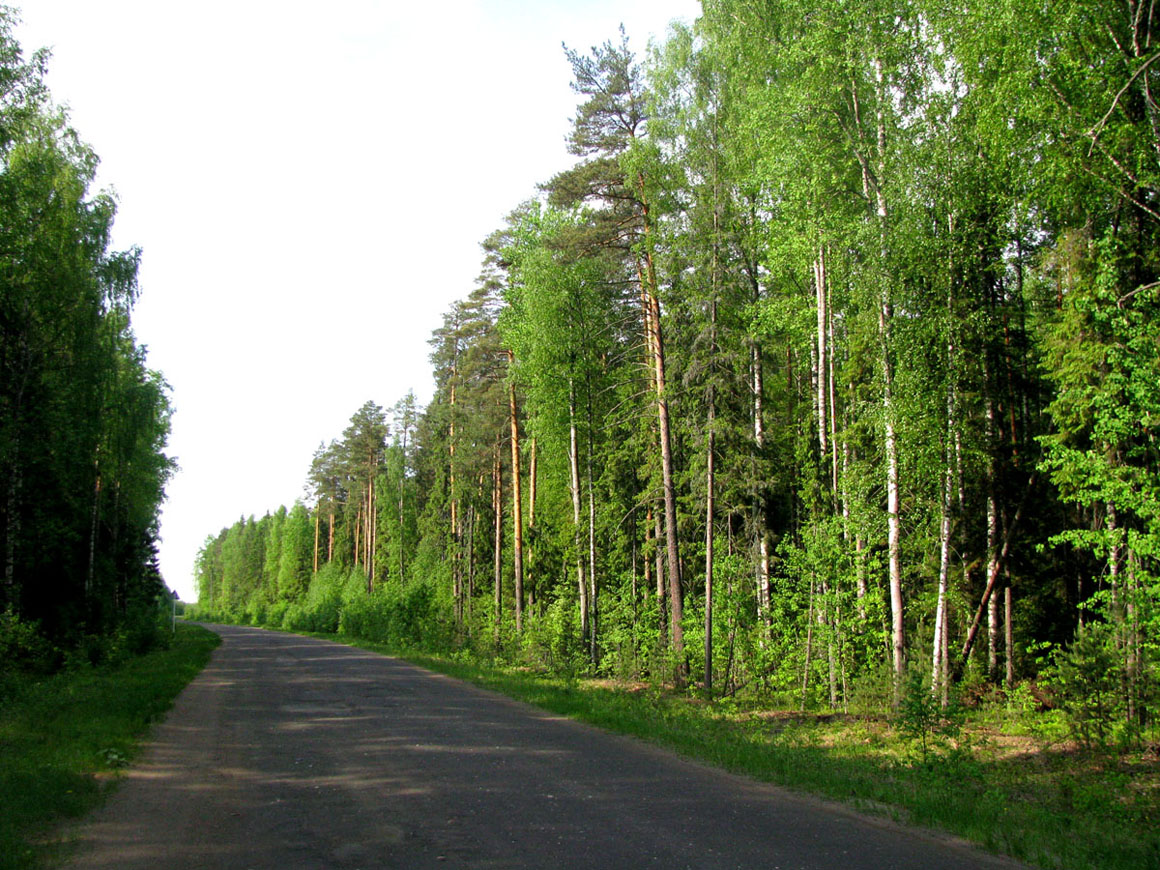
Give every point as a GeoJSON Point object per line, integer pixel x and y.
{"type": "Point", "coordinates": [1008, 779]}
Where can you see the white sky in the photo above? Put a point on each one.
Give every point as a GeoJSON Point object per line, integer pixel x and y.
{"type": "Point", "coordinates": [309, 184]}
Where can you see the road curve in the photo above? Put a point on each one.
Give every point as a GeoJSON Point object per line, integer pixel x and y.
{"type": "Point", "coordinates": [289, 752]}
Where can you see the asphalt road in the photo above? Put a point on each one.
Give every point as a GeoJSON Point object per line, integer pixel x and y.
{"type": "Point", "coordinates": [289, 752]}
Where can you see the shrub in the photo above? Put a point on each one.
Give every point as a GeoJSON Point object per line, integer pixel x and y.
{"type": "Point", "coordinates": [1086, 678]}
{"type": "Point", "coordinates": [921, 716]}
{"type": "Point", "coordinates": [276, 615]}
{"type": "Point", "coordinates": [323, 603]}
{"type": "Point", "coordinates": [23, 650]}
{"type": "Point", "coordinates": [22, 647]}
{"type": "Point", "coordinates": [554, 641]}
{"type": "Point", "coordinates": [405, 616]}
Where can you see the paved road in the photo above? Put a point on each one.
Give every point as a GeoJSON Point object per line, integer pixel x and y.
{"type": "Point", "coordinates": [289, 752]}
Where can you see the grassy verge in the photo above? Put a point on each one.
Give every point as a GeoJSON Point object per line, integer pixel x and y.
{"type": "Point", "coordinates": [62, 739]}
{"type": "Point", "coordinates": [1049, 806]}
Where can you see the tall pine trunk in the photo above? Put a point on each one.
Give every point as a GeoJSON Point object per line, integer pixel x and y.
{"type": "Point", "coordinates": [593, 601]}
{"type": "Point", "coordinates": [497, 563]}
{"type": "Point", "coordinates": [402, 515]}
{"type": "Point", "coordinates": [456, 532]}
{"type": "Point", "coordinates": [658, 553]}
{"type": "Point", "coordinates": [317, 525]}
{"type": "Point", "coordinates": [517, 508]}
{"type": "Point", "coordinates": [664, 433]}
{"type": "Point", "coordinates": [710, 485]}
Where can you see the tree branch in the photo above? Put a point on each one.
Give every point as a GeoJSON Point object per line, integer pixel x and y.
{"type": "Point", "coordinates": [1094, 133]}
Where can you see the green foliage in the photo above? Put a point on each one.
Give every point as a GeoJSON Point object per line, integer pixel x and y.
{"type": "Point", "coordinates": [403, 617]}
{"type": "Point", "coordinates": [922, 717]}
{"type": "Point", "coordinates": [321, 607]}
{"type": "Point", "coordinates": [1090, 685]}
{"type": "Point", "coordinates": [554, 643]}
{"type": "Point", "coordinates": [83, 421]}
{"type": "Point", "coordinates": [24, 653]}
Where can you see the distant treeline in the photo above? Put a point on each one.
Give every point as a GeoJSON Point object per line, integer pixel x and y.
{"type": "Point", "coordinates": [835, 356]}
{"type": "Point", "coordinates": [83, 421]}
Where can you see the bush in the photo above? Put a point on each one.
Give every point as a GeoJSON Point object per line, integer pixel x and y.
{"type": "Point", "coordinates": [144, 629]}
{"type": "Point", "coordinates": [22, 647]}
{"type": "Point", "coordinates": [555, 641]}
{"type": "Point", "coordinates": [403, 616]}
{"type": "Point", "coordinates": [256, 613]}
{"type": "Point", "coordinates": [276, 615]}
{"type": "Point", "coordinates": [23, 651]}
{"type": "Point", "coordinates": [322, 607]}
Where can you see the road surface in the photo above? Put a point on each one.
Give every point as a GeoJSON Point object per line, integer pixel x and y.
{"type": "Point", "coordinates": [289, 752]}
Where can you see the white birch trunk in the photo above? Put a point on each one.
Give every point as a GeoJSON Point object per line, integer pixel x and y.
{"type": "Point", "coordinates": [574, 467]}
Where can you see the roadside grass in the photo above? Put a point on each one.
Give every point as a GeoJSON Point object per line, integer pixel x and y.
{"type": "Point", "coordinates": [1036, 800]}
{"type": "Point", "coordinates": [64, 738]}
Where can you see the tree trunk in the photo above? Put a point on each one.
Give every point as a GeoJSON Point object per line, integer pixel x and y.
{"type": "Point", "coordinates": [821, 368]}
{"type": "Point", "coordinates": [709, 491]}
{"type": "Point", "coordinates": [593, 601]}
{"type": "Point", "coordinates": [658, 552]}
{"type": "Point", "coordinates": [833, 404]}
{"type": "Point", "coordinates": [676, 630]}
{"type": "Point", "coordinates": [648, 282]}
{"type": "Point", "coordinates": [885, 314]}
{"type": "Point", "coordinates": [530, 566]}
{"type": "Point", "coordinates": [992, 546]}
{"type": "Point", "coordinates": [93, 522]}
{"type": "Point", "coordinates": [1132, 641]}
{"type": "Point", "coordinates": [12, 531]}
{"type": "Point", "coordinates": [893, 521]}
{"type": "Point", "coordinates": [1009, 629]}
{"type": "Point", "coordinates": [467, 589]}
{"type": "Point", "coordinates": [358, 522]}
{"type": "Point", "coordinates": [371, 533]}
{"type": "Point", "coordinates": [517, 507]}
{"type": "Point", "coordinates": [574, 467]}
{"type": "Point", "coordinates": [992, 579]}
{"type": "Point", "coordinates": [497, 508]}
{"type": "Point", "coordinates": [317, 525]}
{"type": "Point", "coordinates": [532, 487]}
{"type": "Point", "coordinates": [938, 669]}
{"type": "Point", "coordinates": [809, 647]}
{"type": "Point", "coordinates": [763, 559]}
{"type": "Point", "coordinates": [453, 497]}
{"type": "Point", "coordinates": [402, 513]}
{"type": "Point", "coordinates": [330, 535]}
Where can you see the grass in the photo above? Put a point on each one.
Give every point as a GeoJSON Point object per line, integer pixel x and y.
{"type": "Point", "coordinates": [1042, 803]}
{"type": "Point", "coordinates": [64, 738]}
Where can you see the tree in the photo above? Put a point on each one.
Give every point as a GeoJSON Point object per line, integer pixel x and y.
{"type": "Point", "coordinates": [82, 467]}
{"type": "Point", "coordinates": [566, 380]}
{"type": "Point", "coordinates": [363, 447]}
{"type": "Point", "coordinates": [607, 132]}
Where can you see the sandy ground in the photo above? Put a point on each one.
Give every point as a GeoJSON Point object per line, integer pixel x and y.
{"type": "Point", "coordinates": [290, 752]}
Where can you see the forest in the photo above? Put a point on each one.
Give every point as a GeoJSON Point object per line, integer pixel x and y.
{"type": "Point", "coordinates": [83, 419]}
{"type": "Point", "coordinates": [832, 363]}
